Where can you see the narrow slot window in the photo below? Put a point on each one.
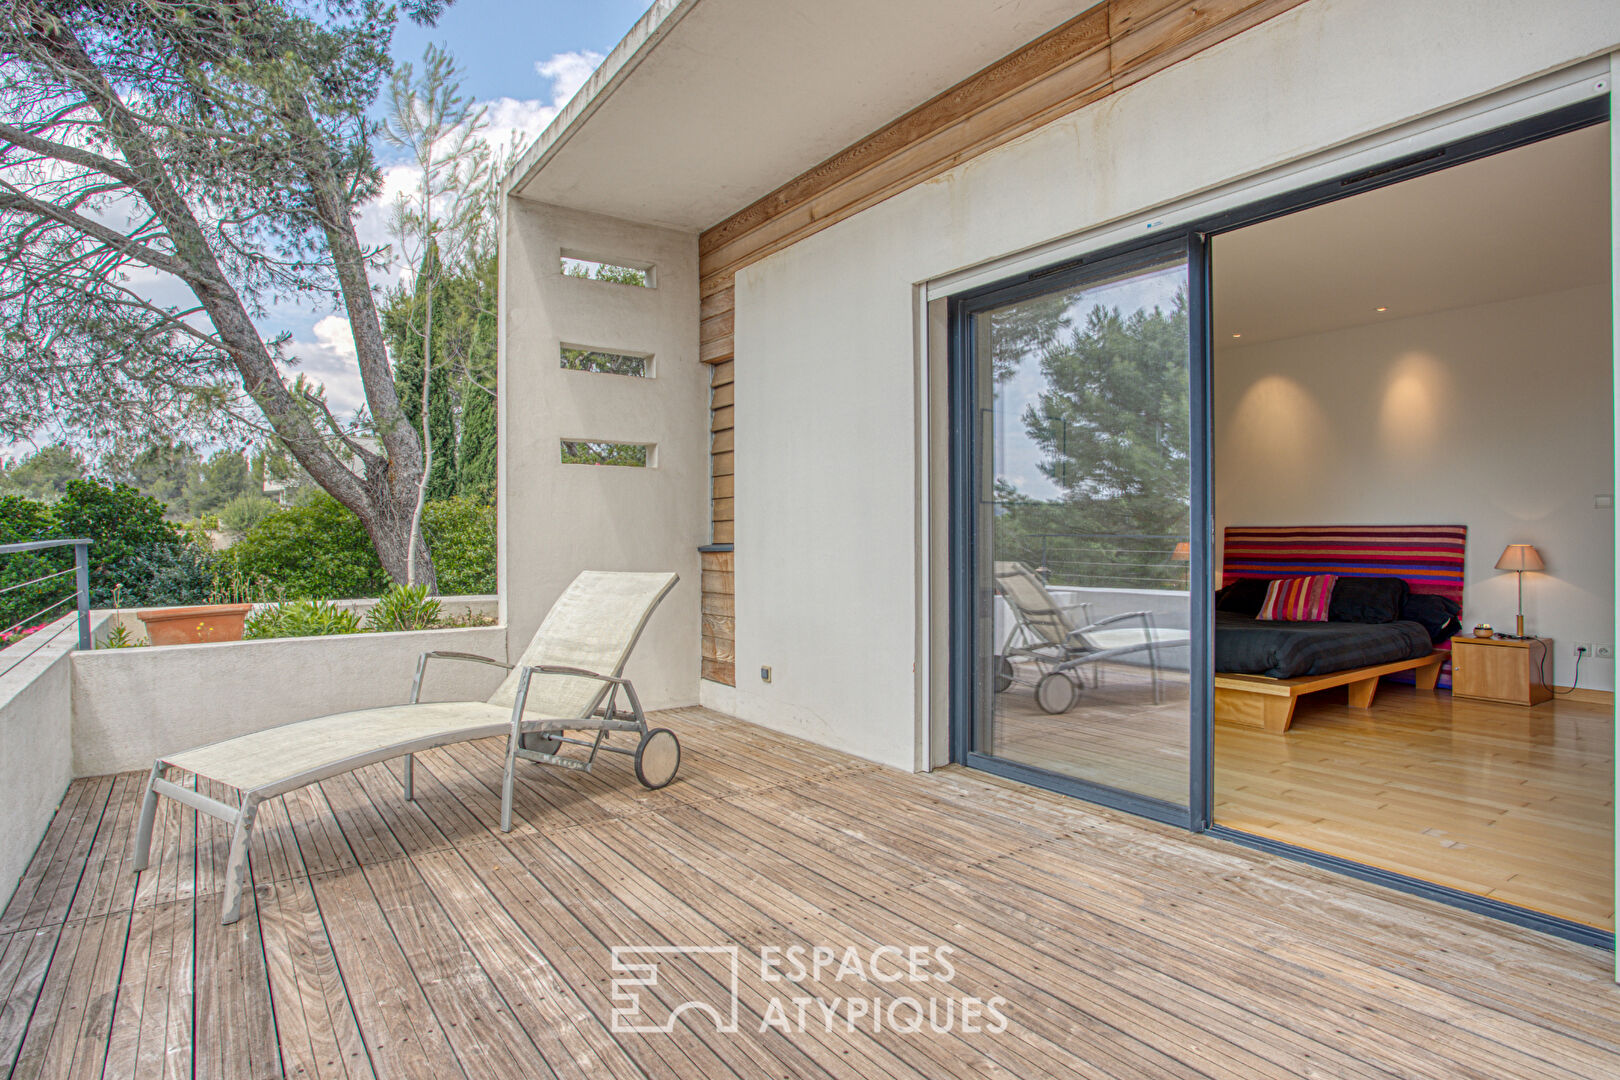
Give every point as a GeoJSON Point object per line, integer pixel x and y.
{"type": "Point", "coordinates": [591, 452]}
{"type": "Point", "coordinates": [615, 273]}
{"type": "Point", "coordinates": [606, 363]}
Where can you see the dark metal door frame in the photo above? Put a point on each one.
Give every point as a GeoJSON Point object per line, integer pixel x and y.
{"type": "Point", "coordinates": [965, 461]}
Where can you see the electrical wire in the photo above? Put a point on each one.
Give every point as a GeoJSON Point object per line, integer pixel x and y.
{"type": "Point", "coordinates": [1541, 667]}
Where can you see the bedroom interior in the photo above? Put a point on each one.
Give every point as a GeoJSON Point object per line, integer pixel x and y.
{"type": "Point", "coordinates": [1409, 390]}
{"type": "Point", "coordinates": [1431, 353]}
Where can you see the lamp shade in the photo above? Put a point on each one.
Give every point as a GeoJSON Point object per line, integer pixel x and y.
{"type": "Point", "coordinates": [1520, 557]}
{"type": "Point", "coordinates": [1183, 552]}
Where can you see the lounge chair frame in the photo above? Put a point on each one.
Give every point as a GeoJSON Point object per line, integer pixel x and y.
{"type": "Point", "coordinates": [602, 717]}
{"type": "Point", "coordinates": [1035, 638]}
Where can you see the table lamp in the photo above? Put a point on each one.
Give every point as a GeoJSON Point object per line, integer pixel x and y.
{"type": "Point", "coordinates": [1519, 558]}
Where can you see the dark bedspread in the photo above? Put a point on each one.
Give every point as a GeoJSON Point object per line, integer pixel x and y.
{"type": "Point", "coordinates": [1285, 650]}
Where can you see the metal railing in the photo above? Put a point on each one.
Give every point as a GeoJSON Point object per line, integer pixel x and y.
{"type": "Point", "coordinates": [80, 596]}
{"type": "Point", "coordinates": [1100, 560]}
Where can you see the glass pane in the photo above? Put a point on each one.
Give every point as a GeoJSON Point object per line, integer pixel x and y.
{"type": "Point", "coordinates": [1085, 502]}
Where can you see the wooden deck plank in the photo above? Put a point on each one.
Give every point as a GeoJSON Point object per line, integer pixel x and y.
{"type": "Point", "coordinates": [235, 1023]}
{"type": "Point", "coordinates": [53, 888]}
{"type": "Point", "coordinates": [401, 1033]}
{"type": "Point", "coordinates": [315, 1024]}
{"type": "Point", "coordinates": [152, 1021]}
{"type": "Point", "coordinates": [394, 938]}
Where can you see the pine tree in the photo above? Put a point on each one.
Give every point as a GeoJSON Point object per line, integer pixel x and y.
{"type": "Point", "coordinates": [476, 476]}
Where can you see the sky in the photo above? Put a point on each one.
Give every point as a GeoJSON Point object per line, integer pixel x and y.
{"type": "Point", "coordinates": [523, 59]}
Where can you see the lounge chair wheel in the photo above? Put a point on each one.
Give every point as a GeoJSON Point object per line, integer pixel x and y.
{"type": "Point", "coordinates": [657, 758]}
{"type": "Point", "coordinates": [545, 744]}
{"type": "Point", "coordinates": [1004, 674]}
{"type": "Point", "coordinates": [1056, 693]}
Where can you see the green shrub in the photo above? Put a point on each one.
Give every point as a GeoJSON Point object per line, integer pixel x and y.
{"type": "Point", "coordinates": [121, 638]}
{"type": "Point", "coordinates": [461, 535]}
{"type": "Point", "coordinates": [134, 552]}
{"type": "Point", "coordinates": [319, 550]}
{"type": "Point", "coordinates": [300, 618]}
{"type": "Point", "coordinates": [245, 511]}
{"type": "Point", "coordinates": [403, 607]}
{"type": "Point", "coordinates": [315, 550]}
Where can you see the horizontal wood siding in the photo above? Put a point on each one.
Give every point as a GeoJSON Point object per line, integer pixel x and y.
{"type": "Point", "coordinates": [719, 579]}
{"type": "Point", "coordinates": [1087, 58]}
{"type": "Point", "coordinates": [719, 618]}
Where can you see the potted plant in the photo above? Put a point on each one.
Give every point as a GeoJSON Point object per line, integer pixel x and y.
{"type": "Point", "coordinates": [189, 625]}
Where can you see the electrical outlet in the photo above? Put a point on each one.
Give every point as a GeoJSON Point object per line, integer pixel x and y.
{"type": "Point", "coordinates": [1604, 651]}
{"type": "Point", "coordinates": [1582, 648]}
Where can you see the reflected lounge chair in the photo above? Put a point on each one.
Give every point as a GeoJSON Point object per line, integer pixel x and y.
{"type": "Point", "coordinates": [1046, 634]}
{"type": "Point", "coordinates": [569, 679]}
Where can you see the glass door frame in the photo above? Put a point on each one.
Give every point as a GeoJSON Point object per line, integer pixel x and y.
{"type": "Point", "coordinates": [968, 459]}
{"type": "Point", "coordinates": [963, 460]}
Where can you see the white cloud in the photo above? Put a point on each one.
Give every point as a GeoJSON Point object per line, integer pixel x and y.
{"type": "Point", "coordinates": [331, 360]}
{"type": "Point", "coordinates": [568, 72]}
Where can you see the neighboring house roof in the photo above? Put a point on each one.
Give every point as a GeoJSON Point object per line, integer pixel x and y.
{"type": "Point", "coordinates": [708, 105]}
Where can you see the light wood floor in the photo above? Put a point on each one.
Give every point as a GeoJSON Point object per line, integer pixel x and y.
{"type": "Point", "coordinates": [392, 939]}
{"type": "Point", "coordinates": [1497, 800]}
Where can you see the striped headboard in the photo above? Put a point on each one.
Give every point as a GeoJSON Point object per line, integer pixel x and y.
{"type": "Point", "coordinates": [1429, 557]}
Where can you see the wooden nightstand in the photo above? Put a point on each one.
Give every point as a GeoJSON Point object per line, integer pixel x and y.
{"type": "Point", "coordinates": [1500, 669]}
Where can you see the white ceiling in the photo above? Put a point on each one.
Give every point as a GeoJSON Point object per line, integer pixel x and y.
{"type": "Point", "coordinates": [1528, 221]}
{"type": "Point", "coordinates": [719, 102]}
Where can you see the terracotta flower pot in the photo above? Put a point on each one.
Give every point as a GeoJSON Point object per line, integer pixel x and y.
{"type": "Point", "coordinates": [189, 625]}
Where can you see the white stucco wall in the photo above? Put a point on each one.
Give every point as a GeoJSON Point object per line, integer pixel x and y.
{"type": "Point", "coordinates": [130, 705]}
{"type": "Point", "coordinates": [556, 519]}
{"type": "Point", "coordinates": [829, 444]}
{"type": "Point", "coordinates": [36, 744]}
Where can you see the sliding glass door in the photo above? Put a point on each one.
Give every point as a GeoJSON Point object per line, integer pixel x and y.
{"type": "Point", "coordinates": [1079, 505]}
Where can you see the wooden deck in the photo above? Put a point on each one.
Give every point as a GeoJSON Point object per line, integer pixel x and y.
{"type": "Point", "coordinates": [397, 940]}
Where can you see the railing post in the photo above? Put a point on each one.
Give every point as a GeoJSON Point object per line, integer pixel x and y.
{"type": "Point", "coordinates": [81, 566]}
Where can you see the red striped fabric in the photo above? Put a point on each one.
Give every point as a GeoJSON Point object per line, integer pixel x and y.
{"type": "Point", "coordinates": [1300, 599]}
{"type": "Point", "coordinates": [1429, 557]}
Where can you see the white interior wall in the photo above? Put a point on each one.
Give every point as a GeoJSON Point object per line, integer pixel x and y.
{"type": "Point", "coordinates": [560, 519]}
{"type": "Point", "coordinates": [829, 434]}
{"type": "Point", "coordinates": [1497, 417]}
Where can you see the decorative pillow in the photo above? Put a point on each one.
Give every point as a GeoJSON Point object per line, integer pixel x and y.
{"type": "Point", "coordinates": [1437, 614]}
{"type": "Point", "coordinates": [1368, 599]}
{"type": "Point", "coordinates": [1243, 597]}
{"type": "Point", "coordinates": [1298, 599]}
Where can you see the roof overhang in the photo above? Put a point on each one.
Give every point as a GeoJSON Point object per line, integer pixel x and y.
{"type": "Point", "coordinates": [708, 105]}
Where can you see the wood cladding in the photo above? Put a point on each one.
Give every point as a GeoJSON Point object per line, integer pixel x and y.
{"type": "Point", "coordinates": [719, 618]}
{"type": "Point", "coordinates": [1113, 45]}
{"type": "Point", "coordinates": [719, 579]}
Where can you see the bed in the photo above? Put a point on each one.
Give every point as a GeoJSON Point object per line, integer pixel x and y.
{"type": "Point", "coordinates": [1262, 668]}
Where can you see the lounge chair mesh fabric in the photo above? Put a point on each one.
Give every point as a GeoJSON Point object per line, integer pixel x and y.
{"type": "Point", "coordinates": [593, 626]}
{"type": "Point", "coordinates": [259, 760]}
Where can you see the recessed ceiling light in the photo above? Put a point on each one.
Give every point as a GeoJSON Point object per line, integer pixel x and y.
{"type": "Point", "coordinates": [1381, 309]}
{"type": "Point", "coordinates": [1237, 335]}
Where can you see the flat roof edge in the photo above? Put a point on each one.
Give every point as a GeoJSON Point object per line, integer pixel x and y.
{"type": "Point", "coordinates": [626, 56]}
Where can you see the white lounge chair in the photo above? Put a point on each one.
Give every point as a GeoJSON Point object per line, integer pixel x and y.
{"type": "Point", "coordinates": [568, 679]}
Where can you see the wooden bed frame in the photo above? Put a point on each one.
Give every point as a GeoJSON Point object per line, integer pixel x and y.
{"type": "Point", "coordinates": [1428, 557]}
{"type": "Point", "coordinates": [1258, 701]}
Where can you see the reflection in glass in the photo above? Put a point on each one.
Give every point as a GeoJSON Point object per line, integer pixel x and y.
{"type": "Point", "coordinates": [1085, 499]}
